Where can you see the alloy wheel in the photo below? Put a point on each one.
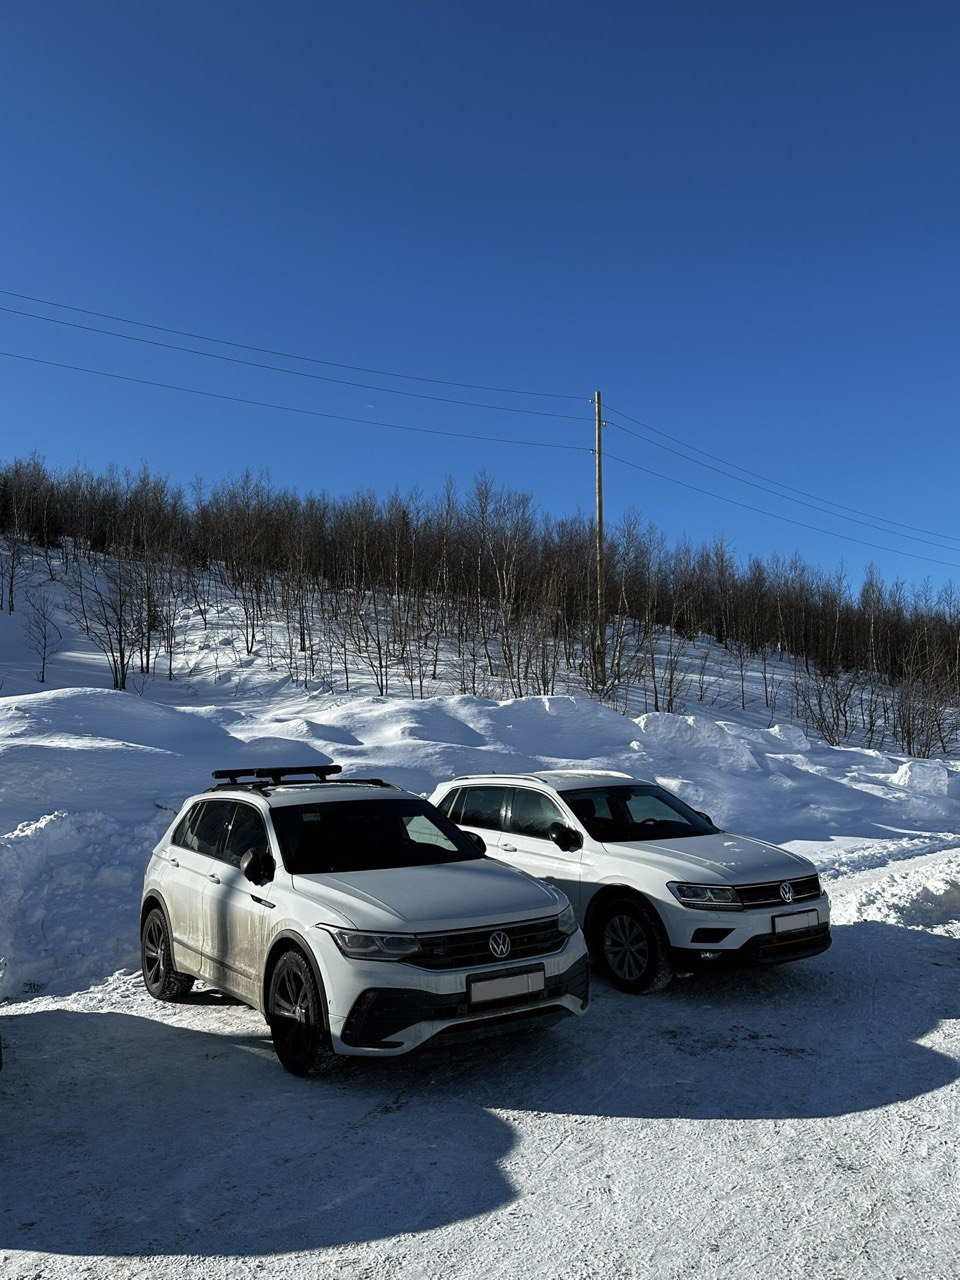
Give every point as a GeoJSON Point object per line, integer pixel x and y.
{"type": "Point", "coordinates": [626, 947]}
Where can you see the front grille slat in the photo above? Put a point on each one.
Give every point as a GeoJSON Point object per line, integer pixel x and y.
{"type": "Point", "coordinates": [470, 947]}
{"type": "Point", "coordinates": [805, 889]}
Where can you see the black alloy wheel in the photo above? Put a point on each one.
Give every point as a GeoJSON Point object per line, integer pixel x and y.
{"type": "Point", "coordinates": [631, 947]}
{"type": "Point", "coordinates": [160, 978]}
{"type": "Point", "coordinates": [295, 1015]}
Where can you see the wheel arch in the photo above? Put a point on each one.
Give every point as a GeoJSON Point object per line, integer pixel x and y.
{"type": "Point", "coordinates": [285, 941]}
{"type": "Point", "coordinates": [152, 899]}
{"type": "Point", "coordinates": [616, 893]}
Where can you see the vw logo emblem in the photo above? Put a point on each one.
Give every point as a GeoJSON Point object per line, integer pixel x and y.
{"type": "Point", "coordinates": [786, 891]}
{"type": "Point", "coordinates": [500, 944]}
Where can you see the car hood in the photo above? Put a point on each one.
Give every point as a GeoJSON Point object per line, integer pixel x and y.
{"type": "Point", "coordinates": [720, 859]}
{"type": "Point", "coordinates": [451, 895]}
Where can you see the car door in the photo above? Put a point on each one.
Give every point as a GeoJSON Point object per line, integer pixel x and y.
{"type": "Point", "coordinates": [526, 845]}
{"type": "Point", "coordinates": [236, 912]}
{"type": "Point", "coordinates": [188, 858]}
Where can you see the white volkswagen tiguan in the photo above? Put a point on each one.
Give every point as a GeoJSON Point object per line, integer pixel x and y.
{"type": "Point", "coordinates": [656, 885]}
{"type": "Point", "coordinates": [353, 915]}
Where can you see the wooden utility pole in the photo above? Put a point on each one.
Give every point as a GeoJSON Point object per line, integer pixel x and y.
{"type": "Point", "coordinates": [600, 665]}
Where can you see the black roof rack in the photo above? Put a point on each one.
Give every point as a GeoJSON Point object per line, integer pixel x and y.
{"type": "Point", "coordinates": [288, 776]}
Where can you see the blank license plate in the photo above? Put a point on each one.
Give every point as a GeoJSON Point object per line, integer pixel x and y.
{"type": "Point", "coordinates": [516, 984]}
{"type": "Point", "coordinates": [799, 920]}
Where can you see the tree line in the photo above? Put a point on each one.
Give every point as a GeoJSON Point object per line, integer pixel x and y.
{"type": "Point", "coordinates": [474, 592]}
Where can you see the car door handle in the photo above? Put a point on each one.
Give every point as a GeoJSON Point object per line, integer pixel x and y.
{"type": "Point", "coordinates": [509, 848]}
{"type": "Point", "coordinates": [174, 862]}
{"type": "Point", "coordinates": [214, 877]}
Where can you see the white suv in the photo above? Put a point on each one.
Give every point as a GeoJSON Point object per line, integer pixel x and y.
{"type": "Point", "coordinates": [656, 885]}
{"type": "Point", "coordinates": [353, 915]}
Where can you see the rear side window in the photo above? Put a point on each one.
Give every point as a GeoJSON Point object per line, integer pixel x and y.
{"type": "Point", "coordinates": [449, 806]}
{"type": "Point", "coordinates": [533, 814]}
{"type": "Point", "coordinates": [481, 807]}
{"type": "Point", "coordinates": [200, 829]}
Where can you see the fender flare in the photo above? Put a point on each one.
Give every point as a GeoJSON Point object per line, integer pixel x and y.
{"type": "Point", "coordinates": [293, 940]}
{"type": "Point", "coordinates": [154, 898]}
{"type": "Point", "coordinates": [611, 892]}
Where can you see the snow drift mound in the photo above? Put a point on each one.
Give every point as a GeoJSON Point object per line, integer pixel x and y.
{"type": "Point", "coordinates": [691, 738]}
{"type": "Point", "coordinates": [922, 895]}
{"type": "Point", "coordinates": [71, 896]}
{"type": "Point", "coordinates": [928, 777]}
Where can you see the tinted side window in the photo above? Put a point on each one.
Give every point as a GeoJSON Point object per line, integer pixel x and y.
{"type": "Point", "coordinates": [201, 829]}
{"type": "Point", "coordinates": [481, 807]}
{"type": "Point", "coordinates": [181, 834]}
{"type": "Point", "coordinates": [449, 805]}
{"type": "Point", "coordinates": [533, 814]}
{"type": "Point", "coordinates": [246, 832]}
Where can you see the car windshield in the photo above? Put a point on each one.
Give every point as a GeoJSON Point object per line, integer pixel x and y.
{"type": "Point", "coordinates": [357, 835]}
{"type": "Point", "coordinates": [635, 812]}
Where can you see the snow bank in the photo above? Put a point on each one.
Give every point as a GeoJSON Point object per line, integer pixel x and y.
{"type": "Point", "coordinates": [694, 737]}
{"type": "Point", "coordinates": [69, 908]}
{"type": "Point", "coordinates": [925, 894]}
{"type": "Point", "coordinates": [89, 777]}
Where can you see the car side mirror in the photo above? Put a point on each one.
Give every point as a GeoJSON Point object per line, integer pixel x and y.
{"type": "Point", "coordinates": [257, 867]}
{"type": "Point", "coordinates": [564, 837]}
{"type": "Point", "coordinates": [477, 840]}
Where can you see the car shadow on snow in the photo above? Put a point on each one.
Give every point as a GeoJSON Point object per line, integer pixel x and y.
{"type": "Point", "coordinates": [134, 1135]}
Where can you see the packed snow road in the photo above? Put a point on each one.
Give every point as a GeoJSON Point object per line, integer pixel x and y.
{"type": "Point", "coordinates": [796, 1121]}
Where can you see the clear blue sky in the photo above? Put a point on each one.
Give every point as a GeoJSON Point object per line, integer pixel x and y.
{"type": "Point", "coordinates": [739, 221]}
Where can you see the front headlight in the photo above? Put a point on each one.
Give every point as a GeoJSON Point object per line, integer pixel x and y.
{"type": "Point", "coordinates": [375, 946]}
{"type": "Point", "coordinates": [566, 920]}
{"type": "Point", "coordinates": [709, 897]}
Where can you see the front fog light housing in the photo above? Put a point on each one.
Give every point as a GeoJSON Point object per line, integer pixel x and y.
{"type": "Point", "coordinates": [709, 897]}
{"type": "Point", "coordinates": [375, 946]}
{"type": "Point", "coordinates": [566, 920]}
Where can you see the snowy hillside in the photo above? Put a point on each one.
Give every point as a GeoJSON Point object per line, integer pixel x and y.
{"type": "Point", "coordinates": [797, 1121]}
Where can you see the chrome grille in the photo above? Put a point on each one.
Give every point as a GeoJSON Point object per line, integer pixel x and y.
{"type": "Point", "coordinates": [768, 895]}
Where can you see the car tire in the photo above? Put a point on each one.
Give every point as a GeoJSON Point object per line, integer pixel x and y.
{"type": "Point", "coordinates": [160, 978]}
{"type": "Point", "coordinates": [295, 1015]}
{"type": "Point", "coordinates": [631, 947]}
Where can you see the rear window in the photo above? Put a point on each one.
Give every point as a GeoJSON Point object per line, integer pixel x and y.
{"type": "Point", "coordinates": [355, 835]}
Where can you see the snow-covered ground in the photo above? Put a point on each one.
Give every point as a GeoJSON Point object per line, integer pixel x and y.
{"type": "Point", "coordinates": [799, 1121]}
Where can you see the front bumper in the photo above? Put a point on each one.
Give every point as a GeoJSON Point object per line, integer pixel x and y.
{"type": "Point", "coordinates": [395, 1019]}
{"type": "Point", "coordinates": [750, 937]}
{"type": "Point", "coordinates": [762, 949]}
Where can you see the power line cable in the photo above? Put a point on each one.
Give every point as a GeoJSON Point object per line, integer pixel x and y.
{"type": "Point", "coordinates": [292, 373]}
{"type": "Point", "coordinates": [286, 355]}
{"type": "Point", "coordinates": [846, 537]}
{"type": "Point", "coordinates": [773, 492]}
{"type": "Point", "coordinates": [934, 533]}
{"type": "Point", "coordinates": [286, 408]}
